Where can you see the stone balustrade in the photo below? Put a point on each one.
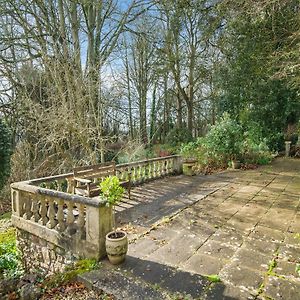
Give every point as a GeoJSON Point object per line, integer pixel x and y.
{"type": "Point", "coordinates": [53, 221]}
{"type": "Point", "coordinates": [72, 224]}
{"type": "Point", "coordinates": [62, 182]}
{"type": "Point", "coordinates": [148, 169]}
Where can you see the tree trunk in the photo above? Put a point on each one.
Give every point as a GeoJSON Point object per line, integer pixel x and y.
{"type": "Point", "coordinates": [179, 110]}
{"type": "Point", "coordinates": [153, 115]}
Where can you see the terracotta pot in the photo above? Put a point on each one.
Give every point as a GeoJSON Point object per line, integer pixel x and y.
{"type": "Point", "coordinates": [116, 246]}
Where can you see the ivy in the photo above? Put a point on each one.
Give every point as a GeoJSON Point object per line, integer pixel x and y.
{"type": "Point", "coordinates": [5, 152]}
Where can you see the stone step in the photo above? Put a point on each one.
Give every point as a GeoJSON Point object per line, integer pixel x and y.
{"type": "Point", "coordinates": [120, 285]}
{"type": "Point", "coordinates": [146, 280]}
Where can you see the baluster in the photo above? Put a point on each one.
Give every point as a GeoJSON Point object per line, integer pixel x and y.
{"type": "Point", "coordinates": [70, 218]}
{"type": "Point", "coordinates": [60, 185]}
{"type": "Point", "coordinates": [155, 169]}
{"type": "Point", "coordinates": [136, 174]}
{"type": "Point", "coordinates": [150, 171]}
{"type": "Point", "coordinates": [135, 179]}
{"type": "Point", "coordinates": [61, 226]}
{"type": "Point", "coordinates": [161, 168]}
{"type": "Point", "coordinates": [119, 174]}
{"type": "Point", "coordinates": [70, 185]}
{"type": "Point", "coordinates": [27, 205]}
{"type": "Point", "coordinates": [19, 199]}
{"type": "Point", "coordinates": [161, 163]}
{"type": "Point", "coordinates": [145, 171]}
{"type": "Point", "coordinates": [35, 210]}
{"type": "Point", "coordinates": [165, 163]}
{"type": "Point", "coordinates": [141, 173]}
{"type": "Point", "coordinates": [80, 222]}
{"type": "Point", "coordinates": [124, 174]}
{"type": "Point", "coordinates": [43, 212]}
{"type": "Point", "coordinates": [51, 215]}
{"type": "Point", "coordinates": [168, 167]}
{"type": "Point", "coordinates": [172, 163]}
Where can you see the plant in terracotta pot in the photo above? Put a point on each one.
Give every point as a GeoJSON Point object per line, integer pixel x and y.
{"type": "Point", "coordinates": [116, 241]}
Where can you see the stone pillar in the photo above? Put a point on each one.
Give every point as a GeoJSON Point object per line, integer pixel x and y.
{"type": "Point", "coordinates": [287, 148]}
{"type": "Point", "coordinates": [98, 224]}
{"type": "Point", "coordinates": [178, 164]}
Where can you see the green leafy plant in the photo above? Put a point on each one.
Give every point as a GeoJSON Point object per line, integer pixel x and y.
{"type": "Point", "coordinates": [213, 278]}
{"type": "Point", "coordinates": [177, 136]}
{"type": "Point", "coordinates": [224, 139]}
{"type": "Point", "coordinates": [255, 149]}
{"type": "Point", "coordinates": [228, 140]}
{"type": "Point", "coordinates": [190, 150]}
{"type": "Point", "coordinates": [10, 260]}
{"type": "Point", "coordinates": [113, 192]}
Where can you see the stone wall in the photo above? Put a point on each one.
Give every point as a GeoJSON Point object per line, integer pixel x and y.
{"type": "Point", "coordinates": [41, 255]}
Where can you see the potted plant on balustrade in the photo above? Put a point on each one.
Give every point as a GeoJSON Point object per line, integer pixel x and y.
{"type": "Point", "coordinates": [116, 241]}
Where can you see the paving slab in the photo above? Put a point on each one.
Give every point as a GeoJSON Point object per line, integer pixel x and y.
{"type": "Point", "coordinates": [289, 253]}
{"type": "Point", "coordinates": [240, 225]}
{"type": "Point", "coordinates": [203, 264]}
{"type": "Point", "coordinates": [261, 245]}
{"type": "Point", "coordinates": [252, 259]}
{"type": "Point", "coordinates": [243, 277]}
{"type": "Point", "coordinates": [287, 269]}
{"type": "Point", "coordinates": [166, 277]}
{"type": "Point", "coordinates": [227, 292]}
{"type": "Point", "coordinates": [278, 288]}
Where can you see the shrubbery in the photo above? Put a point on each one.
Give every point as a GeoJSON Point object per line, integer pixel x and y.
{"type": "Point", "coordinates": [227, 140]}
{"type": "Point", "coordinates": [178, 136]}
{"type": "Point", "coordinates": [10, 264]}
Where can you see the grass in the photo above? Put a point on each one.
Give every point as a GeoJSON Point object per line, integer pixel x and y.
{"type": "Point", "coordinates": [272, 265]}
{"type": "Point", "coordinates": [213, 278]}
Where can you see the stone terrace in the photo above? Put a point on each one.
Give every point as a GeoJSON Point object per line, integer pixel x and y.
{"type": "Point", "coordinates": [240, 225]}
